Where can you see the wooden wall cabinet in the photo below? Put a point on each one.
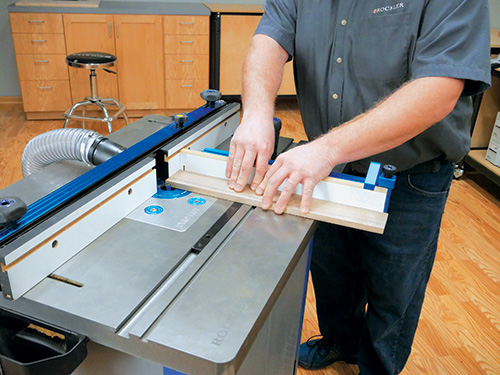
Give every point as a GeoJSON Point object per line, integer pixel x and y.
{"type": "Point", "coordinates": [140, 65]}
{"type": "Point", "coordinates": [90, 32]}
{"type": "Point", "coordinates": [134, 40]}
{"type": "Point", "coordinates": [187, 49]}
{"type": "Point", "coordinates": [163, 61]}
{"type": "Point", "coordinates": [40, 48]}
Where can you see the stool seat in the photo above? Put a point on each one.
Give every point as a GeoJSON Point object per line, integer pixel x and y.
{"type": "Point", "coordinates": [90, 60]}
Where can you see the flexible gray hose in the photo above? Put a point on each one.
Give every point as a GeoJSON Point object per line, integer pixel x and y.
{"type": "Point", "coordinates": [58, 145]}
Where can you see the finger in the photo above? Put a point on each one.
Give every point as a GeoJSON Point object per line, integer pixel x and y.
{"type": "Point", "coordinates": [270, 172]}
{"type": "Point", "coordinates": [245, 171]}
{"type": "Point", "coordinates": [307, 195]}
{"type": "Point", "coordinates": [286, 193]}
{"type": "Point", "coordinates": [229, 165]}
{"type": "Point", "coordinates": [261, 168]}
{"type": "Point", "coordinates": [236, 166]}
{"type": "Point", "coordinates": [272, 186]}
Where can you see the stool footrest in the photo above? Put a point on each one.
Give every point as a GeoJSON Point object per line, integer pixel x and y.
{"type": "Point", "coordinates": [101, 104]}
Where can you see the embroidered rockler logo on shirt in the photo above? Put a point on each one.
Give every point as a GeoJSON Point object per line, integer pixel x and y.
{"type": "Point", "coordinates": [389, 8]}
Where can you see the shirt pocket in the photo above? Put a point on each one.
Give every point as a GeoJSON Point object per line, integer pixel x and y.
{"type": "Point", "coordinates": [380, 48]}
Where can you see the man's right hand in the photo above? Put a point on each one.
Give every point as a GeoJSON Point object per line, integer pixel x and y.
{"type": "Point", "coordinates": [252, 143]}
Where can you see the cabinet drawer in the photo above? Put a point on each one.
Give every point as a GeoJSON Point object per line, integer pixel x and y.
{"type": "Point", "coordinates": [186, 45]}
{"type": "Point", "coordinates": [39, 43]}
{"type": "Point", "coordinates": [184, 93]}
{"type": "Point", "coordinates": [186, 66]}
{"type": "Point", "coordinates": [42, 67]}
{"type": "Point", "coordinates": [192, 25]}
{"type": "Point", "coordinates": [36, 23]}
{"type": "Point", "coordinates": [40, 96]}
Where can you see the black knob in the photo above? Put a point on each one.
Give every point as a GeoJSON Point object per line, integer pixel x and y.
{"type": "Point", "coordinates": [180, 119]}
{"type": "Point", "coordinates": [11, 210]}
{"type": "Point", "coordinates": [277, 129]}
{"type": "Point", "coordinates": [211, 96]}
{"type": "Point", "coordinates": [389, 170]}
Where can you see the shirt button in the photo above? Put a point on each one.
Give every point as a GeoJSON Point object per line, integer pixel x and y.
{"type": "Point", "coordinates": [343, 22]}
{"type": "Point", "coordinates": [335, 96]}
{"type": "Point", "coordinates": [339, 60]}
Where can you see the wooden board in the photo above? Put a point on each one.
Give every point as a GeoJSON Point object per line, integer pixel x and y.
{"type": "Point", "coordinates": [336, 190]}
{"type": "Point", "coordinates": [329, 212]}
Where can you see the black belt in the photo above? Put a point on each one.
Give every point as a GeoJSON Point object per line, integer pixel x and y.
{"type": "Point", "coordinates": [431, 166]}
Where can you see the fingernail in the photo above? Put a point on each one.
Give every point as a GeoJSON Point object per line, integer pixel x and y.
{"type": "Point", "coordinates": [259, 191]}
{"type": "Point", "coordinates": [253, 186]}
{"type": "Point", "coordinates": [239, 187]}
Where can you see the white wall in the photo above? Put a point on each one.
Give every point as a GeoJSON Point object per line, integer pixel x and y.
{"type": "Point", "coordinates": [495, 13]}
{"type": "Point", "coordinates": [9, 84]}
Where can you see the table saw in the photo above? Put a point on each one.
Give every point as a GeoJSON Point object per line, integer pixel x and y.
{"type": "Point", "coordinates": [110, 270]}
{"type": "Point", "coordinates": [160, 280]}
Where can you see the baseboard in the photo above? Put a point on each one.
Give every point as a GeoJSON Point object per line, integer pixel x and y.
{"type": "Point", "coordinates": [11, 100]}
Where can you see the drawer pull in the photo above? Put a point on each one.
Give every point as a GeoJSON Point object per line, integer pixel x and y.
{"type": "Point", "coordinates": [187, 41]}
{"type": "Point", "coordinates": [44, 87]}
{"type": "Point", "coordinates": [38, 40]}
{"type": "Point", "coordinates": [186, 23]}
{"type": "Point", "coordinates": [187, 61]}
{"type": "Point", "coordinates": [36, 21]}
{"type": "Point", "coordinates": [187, 86]}
{"type": "Point", "coordinates": [41, 61]}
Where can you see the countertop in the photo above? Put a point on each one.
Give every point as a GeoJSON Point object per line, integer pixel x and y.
{"type": "Point", "coordinates": [122, 7]}
{"type": "Point", "coordinates": [235, 8]}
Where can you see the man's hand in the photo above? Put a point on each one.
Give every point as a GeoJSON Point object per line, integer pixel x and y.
{"type": "Point", "coordinates": [307, 165]}
{"type": "Point", "coordinates": [252, 143]}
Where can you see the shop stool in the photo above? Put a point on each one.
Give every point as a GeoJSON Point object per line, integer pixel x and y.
{"type": "Point", "coordinates": [93, 61]}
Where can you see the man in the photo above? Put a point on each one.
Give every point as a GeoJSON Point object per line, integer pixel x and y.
{"type": "Point", "coordinates": [376, 80]}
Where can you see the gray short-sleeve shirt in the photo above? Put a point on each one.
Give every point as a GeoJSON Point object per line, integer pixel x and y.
{"type": "Point", "coordinates": [350, 54]}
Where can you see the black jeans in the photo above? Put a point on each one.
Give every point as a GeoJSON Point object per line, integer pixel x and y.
{"type": "Point", "coordinates": [369, 287]}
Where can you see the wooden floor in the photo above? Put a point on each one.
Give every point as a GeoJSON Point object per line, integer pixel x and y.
{"type": "Point", "coordinates": [459, 330]}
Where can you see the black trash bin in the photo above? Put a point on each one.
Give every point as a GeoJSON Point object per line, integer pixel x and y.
{"type": "Point", "coordinates": [29, 347]}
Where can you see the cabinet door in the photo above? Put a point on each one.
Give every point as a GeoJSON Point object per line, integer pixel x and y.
{"type": "Point", "coordinates": [140, 61]}
{"type": "Point", "coordinates": [88, 33]}
{"type": "Point", "coordinates": [236, 34]}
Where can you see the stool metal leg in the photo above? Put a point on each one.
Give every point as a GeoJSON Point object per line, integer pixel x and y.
{"type": "Point", "coordinates": [121, 108]}
{"type": "Point", "coordinates": [125, 116]}
{"type": "Point", "coordinates": [124, 113]}
{"type": "Point", "coordinates": [84, 111]}
{"type": "Point", "coordinates": [106, 119]}
{"type": "Point", "coordinates": [69, 114]}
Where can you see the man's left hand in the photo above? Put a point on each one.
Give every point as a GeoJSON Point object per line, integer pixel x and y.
{"type": "Point", "coordinates": [307, 165]}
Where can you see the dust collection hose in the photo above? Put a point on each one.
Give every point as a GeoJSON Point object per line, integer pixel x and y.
{"type": "Point", "coordinates": [67, 144]}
